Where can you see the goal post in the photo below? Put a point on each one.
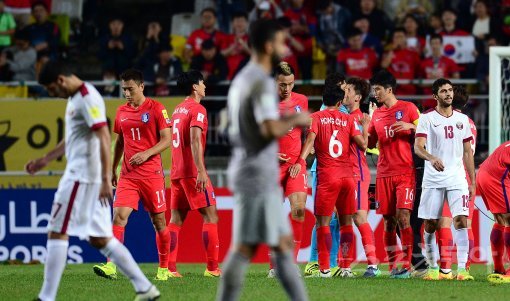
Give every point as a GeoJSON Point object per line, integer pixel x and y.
{"type": "Point", "coordinates": [499, 96]}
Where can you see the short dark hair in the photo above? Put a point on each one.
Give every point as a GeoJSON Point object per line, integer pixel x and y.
{"type": "Point", "coordinates": [39, 3]}
{"type": "Point", "coordinates": [210, 10]}
{"type": "Point", "coordinates": [261, 32]}
{"type": "Point", "coordinates": [361, 86]}
{"type": "Point", "coordinates": [284, 22]}
{"type": "Point", "coordinates": [208, 44]}
{"type": "Point", "coordinates": [323, 4]}
{"type": "Point", "coordinates": [354, 32]}
{"type": "Point", "coordinates": [186, 80]}
{"type": "Point", "coordinates": [52, 70]}
{"type": "Point", "coordinates": [21, 35]}
{"type": "Point", "coordinates": [333, 79]}
{"type": "Point", "coordinates": [460, 97]}
{"type": "Point", "coordinates": [399, 29]}
{"type": "Point", "coordinates": [132, 74]}
{"type": "Point", "coordinates": [332, 95]}
{"type": "Point", "coordinates": [384, 78]}
{"type": "Point", "coordinates": [239, 14]}
{"type": "Point", "coordinates": [438, 83]}
{"type": "Point", "coordinates": [284, 68]}
{"type": "Point", "coordinates": [436, 36]}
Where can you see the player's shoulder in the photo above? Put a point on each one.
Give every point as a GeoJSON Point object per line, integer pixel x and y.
{"type": "Point", "coordinates": [299, 97]}
{"type": "Point", "coordinates": [407, 104]}
{"type": "Point", "coordinates": [428, 112]}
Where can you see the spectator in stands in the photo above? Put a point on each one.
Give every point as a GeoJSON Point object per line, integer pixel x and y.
{"type": "Point", "coordinates": [44, 34]}
{"type": "Point", "coordinates": [435, 24]}
{"type": "Point", "coordinates": [7, 26]}
{"type": "Point", "coordinates": [369, 40]}
{"type": "Point", "coordinates": [111, 90]}
{"type": "Point", "coordinates": [207, 31]}
{"type": "Point", "coordinates": [20, 58]}
{"type": "Point", "coordinates": [483, 24]}
{"type": "Point", "coordinates": [482, 62]}
{"type": "Point", "coordinates": [421, 8]}
{"type": "Point", "coordinates": [210, 63]}
{"type": "Point", "coordinates": [155, 38]}
{"type": "Point", "coordinates": [264, 9]}
{"type": "Point", "coordinates": [165, 67]}
{"type": "Point", "coordinates": [293, 44]}
{"type": "Point", "coordinates": [449, 18]}
{"type": "Point", "coordinates": [401, 61]}
{"type": "Point", "coordinates": [357, 60]}
{"type": "Point", "coordinates": [116, 47]}
{"type": "Point", "coordinates": [415, 39]}
{"type": "Point", "coordinates": [235, 48]}
{"type": "Point", "coordinates": [20, 10]}
{"type": "Point", "coordinates": [382, 23]}
{"type": "Point", "coordinates": [226, 11]}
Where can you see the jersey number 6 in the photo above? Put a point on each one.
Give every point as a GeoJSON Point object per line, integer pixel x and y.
{"type": "Point", "coordinates": [332, 143]}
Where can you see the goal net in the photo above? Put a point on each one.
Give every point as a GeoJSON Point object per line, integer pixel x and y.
{"type": "Point", "coordinates": [499, 96]}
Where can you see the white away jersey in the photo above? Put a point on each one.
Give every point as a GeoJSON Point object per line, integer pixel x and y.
{"type": "Point", "coordinates": [85, 113]}
{"type": "Point", "coordinates": [445, 140]}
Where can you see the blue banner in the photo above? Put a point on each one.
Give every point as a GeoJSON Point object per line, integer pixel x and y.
{"type": "Point", "coordinates": [24, 216]}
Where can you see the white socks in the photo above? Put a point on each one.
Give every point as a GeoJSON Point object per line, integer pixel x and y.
{"type": "Point", "coordinates": [430, 248]}
{"type": "Point", "coordinates": [462, 241]}
{"type": "Point", "coordinates": [53, 268]}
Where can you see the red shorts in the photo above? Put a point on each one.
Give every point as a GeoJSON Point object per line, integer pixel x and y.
{"type": "Point", "coordinates": [362, 193]}
{"type": "Point", "coordinates": [339, 193]}
{"type": "Point", "coordinates": [150, 191]}
{"type": "Point", "coordinates": [495, 192]}
{"type": "Point", "coordinates": [291, 185]}
{"type": "Point", "coordinates": [185, 195]}
{"type": "Point", "coordinates": [395, 192]}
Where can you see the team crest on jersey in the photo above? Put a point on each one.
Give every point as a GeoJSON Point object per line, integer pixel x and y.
{"type": "Point", "coordinates": [145, 117]}
{"type": "Point", "coordinates": [459, 125]}
{"type": "Point", "coordinates": [297, 108]}
{"type": "Point", "coordinates": [399, 115]}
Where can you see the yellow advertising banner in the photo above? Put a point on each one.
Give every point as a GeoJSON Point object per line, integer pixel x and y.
{"type": "Point", "coordinates": [31, 128]}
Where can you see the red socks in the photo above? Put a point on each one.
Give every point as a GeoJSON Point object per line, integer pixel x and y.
{"type": "Point", "coordinates": [323, 246]}
{"type": "Point", "coordinates": [346, 246]}
{"type": "Point", "coordinates": [498, 247]}
{"type": "Point", "coordinates": [118, 233]}
{"type": "Point", "coordinates": [163, 244]}
{"type": "Point", "coordinates": [173, 231]}
{"type": "Point", "coordinates": [507, 241]}
{"type": "Point", "coordinates": [211, 244]}
{"type": "Point", "coordinates": [297, 229]}
{"type": "Point", "coordinates": [445, 242]}
{"type": "Point", "coordinates": [407, 246]}
{"type": "Point", "coordinates": [390, 245]}
{"type": "Point", "coordinates": [367, 238]}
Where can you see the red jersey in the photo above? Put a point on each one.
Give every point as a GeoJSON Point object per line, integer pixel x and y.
{"type": "Point", "coordinates": [334, 132]}
{"type": "Point", "coordinates": [444, 67]}
{"type": "Point", "coordinates": [186, 115]}
{"type": "Point", "coordinates": [198, 36]}
{"type": "Point", "coordinates": [498, 163]}
{"type": "Point", "coordinates": [455, 32]}
{"type": "Point", "coordinates": [234, 59]}
{"type": "Point", "coordinates": [358, 157]}
{"type": "Point", "coordinates": [290, 144]}
{"type": "Point", "coordinates": [396, 157]}
{"type": "Point", "coordinates": [302, 16]}
{"type": "Point", "coordinates": [140, 129]}
{"type": "Point", "coordinates": [358, 62]}
{"type": "Point", "coordinates": [404, 65]}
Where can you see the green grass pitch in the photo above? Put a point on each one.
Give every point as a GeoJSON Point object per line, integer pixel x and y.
{"type": "Point", "coordinates": [80, 283]}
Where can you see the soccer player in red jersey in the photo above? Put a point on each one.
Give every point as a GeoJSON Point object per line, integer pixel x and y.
{"type": "Point", "coordinates": [392, 128]}
{"type": "Point", "coordinates": [331, 134]}
{"type": "Point", "coordinates": [356, 90]}
{"type": "Point", "coordinates": [191, 188]}
{"type": "Point", "coordinates": [295, 188]}
{"type": "Point", "coordinates": [142, 126]}
{"type": "Point", "coordinates": [445, 238]}
{"type": "Point", "coordinates": [493, 183]}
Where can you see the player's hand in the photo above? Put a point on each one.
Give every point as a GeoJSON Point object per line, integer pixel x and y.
{"type": "Point", "coordinates": [283, 158]}
{"type": "Point", "coordinates": [365, 120]}
{"type": "Point", "coordinates": [294, 170]}
{"type": "Point", "coordinates": [139, 158]}
{"type": "Point", "coordinates": [472, 190]}
{"type": "Point", "coordinates": [312, 151]}
{"type": "Point", "coordinates": [34, 166]}
{"type": "Point", "coordinates": [106, 192]}
{"type": "Point", "coordinates": [437, 164]}
{"type": "Point", "coordinates": [371, 109]}
{"type": "Point", "coordinates": [201, 181]}
{"type": "Point", "coordinates": [114, 179]}
{"type": "Point", "coordinates": [401, 126]}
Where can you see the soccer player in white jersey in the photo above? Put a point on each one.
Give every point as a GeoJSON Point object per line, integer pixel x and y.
{"type": "Point", "coordinates": [443, 140]}
{"type": "Point", "coordinates": [82, 202]}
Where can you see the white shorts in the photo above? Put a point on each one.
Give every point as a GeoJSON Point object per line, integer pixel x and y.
{"type": "Point", "coordinates": [432, 201]}
{"type": "Point", "coordinates": [77, 211]}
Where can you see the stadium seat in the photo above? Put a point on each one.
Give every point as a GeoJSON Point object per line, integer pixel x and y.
{"type": "Point", "coordinates": [14, 91]}
{"type": "Point", "coordinates": [183, 24]}
{"type": "Point", "coordinates": [178, 44]}
{"type": "Point", "coordinates": [71, 8]}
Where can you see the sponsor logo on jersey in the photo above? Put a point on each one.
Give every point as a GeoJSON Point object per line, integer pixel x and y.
{"type": "Point", "coordinates": [94, 112]}
{"type": "Point", "coordinates": [297, 108]}
{"type": "Point", "coordinates": [459, 125]}
{"type": "Point", "coordinates": [399, 115]}
{"type": "Point", "coordinates": [145, 117]}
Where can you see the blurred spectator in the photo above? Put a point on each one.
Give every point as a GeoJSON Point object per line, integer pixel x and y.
{"type": "Point", "coordinates": [415, 39]}
{"type": "Point", "coordinates": [44, 34]}
{"type": "Point", "coordinates": [265, 9]}
{"type": "Point", "coordinates": [303, 28]}
{"type": "Point", "coordinates": [292, 43]}
{"type": "Point", "coordinates": [357, 60]}
{"type": "Point", "coordinates": [211, 63]}
{"type": "Point", "coordinates": [20, 10]}
{"type": "Point", "coordinates": [482, 62]}
{"type": "Point", "coordinates": [235, 48]}
{"type": "Point", "coordinates": [226, 11]}
{"type": "Point", "coordinates": [421, 8]}
{"type": "Point", "coordinates": [369, 40]}
{"type": "Point", "coordinates": [333, 21]}
{"type": "Point", "coordinates": [449, 18]}
{"type": "Point", "coordinates": [116, 47]}
{"type": "Point", "coordinates": [200, 5]}
{"type": "Point", "coordinates": [382, 23]}
{"type": "Point", "coordinates": [208, 31]}
{"type": "Point", "coordinates": [401, 61]}
{"type": "Point", "coordinates": [155, 38]}
{"type": "Point", "coordinates": [505, 19]}
{"type": "Point", "coordinates": [7, 26]}
{"type": "Point", "coordinates": [112, 89]}
{"type": "Point", "coordinates": [167, 66]}
{"type": "Point", "coordinates": [483, 23]}
{"type": "Point", "coordinates": [20, 58]}
{"type": "Point", "coordinates": [435, 24]}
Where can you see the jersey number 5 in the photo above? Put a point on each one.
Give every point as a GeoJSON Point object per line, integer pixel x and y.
{"type": "Point", "coordinates": [176, 139]}
{"type": "Point", "coordinates": [332, 143]}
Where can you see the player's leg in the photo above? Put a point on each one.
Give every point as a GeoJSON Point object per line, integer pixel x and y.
{"type": "Point", "coordinates": [297, 208]}
{"type": "Point", "coordinates": [387, 208]}
{"type": "Point", "coordinates": [56, 258]}
{"type": "Point", "coordinates": [458, 200]}
{"type": "Point", "coordinates": [346, 206]}
{"type": "Point", "coordinates": [498, 243]}
{"type": "Point", "coordinates": [312, 265]}
{"type": "Point", "coordinates": [234, 271]}
{"type": "Point", "coordinates": [334, 228]}
{"type": "Point", "coordinates": [179, 210]}
{"type": "Point", "coordinates": [445, 242]}
{"type": "Point", "coordinates": [405, 190]}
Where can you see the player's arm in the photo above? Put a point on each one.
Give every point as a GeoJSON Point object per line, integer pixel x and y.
{"type": "Point", "coordinates": [118, 150]}
{"type": "Point", "coordinates": [305, 151]}
{"type": "Point", "coordinates": [197, 151]}
{"type": "Point", "coordinates": [419, 149]}
{"type": "Point", "coordinates": [372, 136]}
{"type": "Point", "coordinates": [106, 192]}
{"type": "Point", "coordinates": [35, 165]}
{"type": "Point", "coordinates": [276, 128]}
{"type": "Point", "coordinates": [164, 142]}
{"type": "Point", "coordinates": [362, 140]}
{"type": "Point", "coordinates": [469, 163]}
